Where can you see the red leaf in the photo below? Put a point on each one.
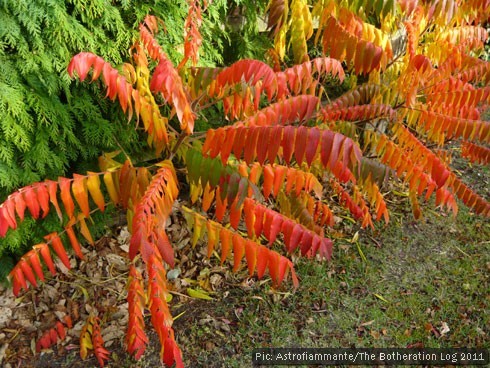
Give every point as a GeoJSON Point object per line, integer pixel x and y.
{"type": "Point", "coordinates": [251, 144]}
{"type": "Point", "coordinates": [296, 236]}
{"type": "Point", "coordinates": [259, 220]}
{"type": "Point", "coordinates": [287, 230]}
{"type": "Point", "coordinates": [275, 227]}
{"type": "Point", "coordinates": [43, 198]}
{"type": "Point", "coordinates": [288, 142]}
{"type": "Point", "coordinates": [8, 210]}
{"type": "Point", "coordinates": [338, 139]}
{"type": "Point", "coordinates": [300, 146]}
{"type": "Point", "coordinates": [311, 147]}
{"type": "Point", "coordinates": [61, 330]}
{"type": "Point", "coordinates": [439, 173]}
{"type": "Point", "coordinates": [306, 241]}
{"type": "Point", "coordinates": [33, 259]}
{"type": "Point", "coordinates": [263, 144]}
{"type": "Point", "coordinates": [275, 143]}
{"type": "Point", "coordinates": [241, 134]}
{"type": "Point", "coordinates": [31, 201]}
{"type": "Point", "coordinates": [326, 148]}
{"type": "Point", "coordinates": [27, 271]}
{"type": "Point", "coordinates": [165, 248]}
{"type": "Point", "coordinates": [227, 145]}
{"type": "Point", "coordinates": [235, 214]}
{"type": "Point", "coordinates": [3, 223]}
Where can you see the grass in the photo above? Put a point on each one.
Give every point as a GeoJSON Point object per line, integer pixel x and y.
{"type": "Point", "coordinates": [416, 279]}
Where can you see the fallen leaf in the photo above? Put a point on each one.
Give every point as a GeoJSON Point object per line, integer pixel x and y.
{"type": "Point", "coordinates": [367, 323]}
{"type": "Point", "coordinates": [198, 294]}
{"type": "Point", "coordinates": [444, 328]}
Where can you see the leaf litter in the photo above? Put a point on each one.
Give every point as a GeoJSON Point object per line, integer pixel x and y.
{"type": "Point", "coordinates": [97, 285]}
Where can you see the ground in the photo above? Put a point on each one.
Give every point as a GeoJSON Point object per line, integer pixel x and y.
{"type": "Point", "coordinates": [408, 284]}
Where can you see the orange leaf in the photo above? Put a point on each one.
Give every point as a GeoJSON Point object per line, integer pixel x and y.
{"type": "Point", "coordinates": [225, 238]}
{"type": "Point", "coordinates": [46, 255]}
{"type": "Point", "coordinates": [98, 343]}
{"type": "Point", "coordinates": [73, 239]}
{"type": "Point", "coordinates": [274, 259]}
{"type": "Point", "coordinates": [262, 260]}
{"type": "Point", "coordinates": [251, 256]}
{"type": "Point", "coordinates": [80, 192]}
{"type": "Point", "coordinates": [248, 208]}
{"type": "Point", "coordinates": [259, 220]}
{"type": "Point", "coordinates": [238, 251]}
{"type": "Point", "coordinates": [84, 229]}
{"type": "Point", "coordinates": [213, 232]}
{"type": "Point", "coordinates": [66, 198]}
{"type": "Point", "coordinates": [136, 338]}
{"type": "Point", "coordinates": [58, 248]}
{"type": "Point", "coordinates": [207, 197]}
{"type": "Point", "coordinates": [220, 205]}
{"type": "Point", "coordinates": [18, 280]}
{"type": "Point", "coordinates": [279, 174]}
{"type": "Point", "coordinates": [268, 181]}
{"type": "Point", "coordinates": [52, 189]}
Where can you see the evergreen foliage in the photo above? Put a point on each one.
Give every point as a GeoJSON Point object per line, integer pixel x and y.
{"type": "Point", "coordinates": [50, 126]}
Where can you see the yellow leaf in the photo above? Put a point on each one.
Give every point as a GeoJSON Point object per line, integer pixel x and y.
{"type": "Point", "coordinates": [84, 229]}
{"type": "Point", "coordinates": [93, 185]}
{"type": "Point", "coordinates": [381, 298]}
{"type": "Point", "coordinates": [106, 162]}
{"type": "Point", "coordinates": [198, 225]}
{"type": "Point", "coordinates": [111, 188]}
{"type": "Point", "coordinates": [79, 190]}
{"type": "Point", "coordinates": [86, 338]}
{"type": "Point", "coordinates": [198, 294]}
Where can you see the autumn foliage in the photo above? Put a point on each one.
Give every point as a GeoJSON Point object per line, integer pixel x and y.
{"type": "Point", "coordinates": [289, 152]}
